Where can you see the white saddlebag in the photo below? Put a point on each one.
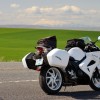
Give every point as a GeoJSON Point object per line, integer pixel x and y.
{"type": "Point", "coordinates": [76, 53]}
{"type": "Point", "coordinates": [58, 58]}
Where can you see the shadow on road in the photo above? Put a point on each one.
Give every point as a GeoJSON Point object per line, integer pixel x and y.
{"type": "Point", "coordinates": [82, 94]}
{"type": "Point", "coordinates": [1, 98]}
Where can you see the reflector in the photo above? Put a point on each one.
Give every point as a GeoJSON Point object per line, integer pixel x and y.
{"type": "Point", "coordinates": [39, 50]}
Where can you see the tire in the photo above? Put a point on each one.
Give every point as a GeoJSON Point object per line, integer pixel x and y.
{"type": "Point", "coordinates": [95, 81]}
{"type": "Point", "coordinates": [50, 80]}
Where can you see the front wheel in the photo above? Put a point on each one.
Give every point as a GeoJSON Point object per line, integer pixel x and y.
{"type": "Point", "coordinates": [95, 81]}
{"type": "Point", "coordinates": [50, 80]}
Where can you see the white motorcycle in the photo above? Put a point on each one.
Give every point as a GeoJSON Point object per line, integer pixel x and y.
{"type": "Point", "coordinates": [66, 67]}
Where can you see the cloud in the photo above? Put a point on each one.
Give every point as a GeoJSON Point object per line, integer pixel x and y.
{"type": "Point", "coordinates": [14, 5]}
{"type": "Point", "coordinates": [93, 11]}
{"type": "Point", "coordinates": [51, 16]}
{"type": "Point", "coordinates": [75, 9]}
{"type": "Point", "coordinates": [33, 9]}
{"type": "Point", "coordinates": [69, 8]}
{"type": "Point", "coordinates": [38, 10]}
{"type": "Point", "coordinates": [53, 11]}
{"type": "Point", "coordinates": [46, 9]}
{"type": "Point", "coordinates": [0, 13]}
{"type": "Point", "coordinates": [64, 10]}
{"type": "Point", "coordinates": [51, 22]}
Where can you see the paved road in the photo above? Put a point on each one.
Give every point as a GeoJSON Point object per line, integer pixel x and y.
{"type": "Point", "coordinates": [17, 83]}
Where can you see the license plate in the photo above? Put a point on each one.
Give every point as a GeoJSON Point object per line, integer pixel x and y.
{"type": "Point", "coordinates": [39, 62]}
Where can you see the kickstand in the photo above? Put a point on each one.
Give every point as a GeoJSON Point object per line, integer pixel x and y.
{"type": "Point", "coordinates": [64, 88]}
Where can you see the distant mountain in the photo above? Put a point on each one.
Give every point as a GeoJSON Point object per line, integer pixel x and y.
{"type": "Point", "coordinates": [72, 27]}
{"type": "Point", "coordinates": [22, 26]}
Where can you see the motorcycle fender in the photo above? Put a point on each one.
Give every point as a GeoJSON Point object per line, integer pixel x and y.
{"type": "Point", "coordinates": [98, 67]}
{"type": "Point", "coordinates": [28, 61]}
{"type": "Point", "coordinates": [89, 69]}
{"type": "Point", "coordinates": [58, 58]}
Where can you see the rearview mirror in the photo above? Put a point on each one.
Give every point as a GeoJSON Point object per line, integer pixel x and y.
{"type": "Point", "coordinates": [98, 37]}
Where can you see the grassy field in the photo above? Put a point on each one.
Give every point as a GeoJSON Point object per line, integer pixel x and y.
{"type": "Point", "coordinates": [16, 42]}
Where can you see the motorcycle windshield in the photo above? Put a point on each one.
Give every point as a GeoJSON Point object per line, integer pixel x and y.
{"type": "Point", "coordinates": [86, 39]}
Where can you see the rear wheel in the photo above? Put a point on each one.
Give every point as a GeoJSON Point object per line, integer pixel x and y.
{"type": "Point", "coordinates": [50, 80]}
{"type": "Point", "coordinates": [95, 81]}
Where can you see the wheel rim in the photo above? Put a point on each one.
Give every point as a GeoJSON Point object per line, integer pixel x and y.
{"type": "Point", "coordinates": [96, 80]}
{"type": "Point", "coordinates": [53, 79]}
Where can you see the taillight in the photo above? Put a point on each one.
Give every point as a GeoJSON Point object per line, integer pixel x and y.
{"type": "Point", "coordinates": [40, 50]}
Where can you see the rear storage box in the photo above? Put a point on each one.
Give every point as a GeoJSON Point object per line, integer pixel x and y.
{"type": "Point", "coordinates": [58, 58]}
{"type": "Point", "coordinates": [29, 62]}
{"type": "Point", "coordinates": [75, 43]}
{"type": "Point", "coordinates": [48, 42]}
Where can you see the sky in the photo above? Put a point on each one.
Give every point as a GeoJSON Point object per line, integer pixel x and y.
{"type": "Point", "coordinates": [50, 12]}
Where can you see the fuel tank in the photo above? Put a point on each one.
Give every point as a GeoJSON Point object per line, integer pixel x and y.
{"type": "Point", "coordinates": [76, 53]}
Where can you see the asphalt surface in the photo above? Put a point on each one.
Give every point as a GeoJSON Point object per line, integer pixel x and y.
{"type": "Point", "coordinates": [18, 83]}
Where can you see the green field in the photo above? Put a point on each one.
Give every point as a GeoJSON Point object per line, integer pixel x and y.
{"type": "Point", "coordinates": [16, 42]}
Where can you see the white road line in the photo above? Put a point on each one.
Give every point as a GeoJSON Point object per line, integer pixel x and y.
{"type": "Point", "coordinates": [18, 81]}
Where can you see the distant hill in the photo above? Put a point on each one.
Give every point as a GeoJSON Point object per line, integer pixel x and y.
{"type": "Point", "coordinates": [21, 26]}
{"type": "Point", "coordinates": [73, 27]}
